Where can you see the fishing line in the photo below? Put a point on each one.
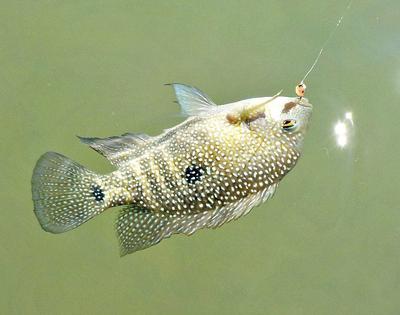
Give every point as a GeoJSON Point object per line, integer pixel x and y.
{"type": "Point", "coordinates": [302, 86]}
{"type": "Point", "coordinates": [342, 127]}
{"type": "Point", "coordinates": [339, 21]}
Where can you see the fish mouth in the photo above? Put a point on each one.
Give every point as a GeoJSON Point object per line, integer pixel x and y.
{"type": "Point", "coordinates": [304, 102]}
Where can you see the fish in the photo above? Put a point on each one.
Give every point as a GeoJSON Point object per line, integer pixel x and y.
{"type": "Point", "coordinates": [214, 167]}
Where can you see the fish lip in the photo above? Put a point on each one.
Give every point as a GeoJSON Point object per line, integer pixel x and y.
{"type": "Point", "coordinates": [304, 102]}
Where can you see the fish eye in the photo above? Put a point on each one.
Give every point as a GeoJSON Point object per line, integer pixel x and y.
{"type": "Point", "coordinates": [288, 124]}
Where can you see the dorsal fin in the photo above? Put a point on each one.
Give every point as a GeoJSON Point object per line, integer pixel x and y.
{"type": "Point", "coordinates": [139, 228]}
{"type": "Point", "coordinates": [118, 149]}
{"type": "Point", "coordinates": [193, 102]}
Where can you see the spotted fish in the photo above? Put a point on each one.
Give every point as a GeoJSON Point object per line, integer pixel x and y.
{"type": "Point", "coordinates": [216, 166]}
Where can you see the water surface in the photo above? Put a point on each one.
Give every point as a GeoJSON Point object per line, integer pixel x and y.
{"type": "Point", "coordinates": [328, 242]}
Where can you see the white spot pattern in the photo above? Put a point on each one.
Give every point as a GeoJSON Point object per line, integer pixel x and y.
{"type": "Point", "coordinates": [243, 166]}
{"type": "Point", "coordinates": [62, 192]}
{"type": "Point", "coordinates": [202, 173]}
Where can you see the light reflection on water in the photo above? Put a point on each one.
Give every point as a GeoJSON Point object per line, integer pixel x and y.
{"type": "Point", "coordinates": [343, 130]}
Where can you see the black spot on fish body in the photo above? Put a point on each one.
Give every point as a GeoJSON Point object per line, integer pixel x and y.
{"type": "Point", "coordinates": [97, 193]}
{"type": "Point", "coordinates": [193, 173]}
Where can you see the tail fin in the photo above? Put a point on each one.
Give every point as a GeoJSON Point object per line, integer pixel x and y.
{"type": "Point", "coordinates": [64, 193]}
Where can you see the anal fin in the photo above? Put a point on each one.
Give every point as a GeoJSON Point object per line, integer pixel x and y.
{"type": "Point", "coordinates": [118, 149]}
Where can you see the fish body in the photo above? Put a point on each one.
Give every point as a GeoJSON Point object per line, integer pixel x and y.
{"type": "Point", "coordinates": [216, 166]}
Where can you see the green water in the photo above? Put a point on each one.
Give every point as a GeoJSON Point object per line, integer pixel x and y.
{"type": "Point", "coordinates": [328, 242]}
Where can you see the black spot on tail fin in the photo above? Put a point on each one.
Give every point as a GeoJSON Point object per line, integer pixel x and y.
{"type": "Point", "coordinates": [97, 193]}
{"type": "Point", "coordinates": [63, 193]}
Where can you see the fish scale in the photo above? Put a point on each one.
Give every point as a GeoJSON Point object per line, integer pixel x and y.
{"type": "Point", "coordinates": [212, 168]}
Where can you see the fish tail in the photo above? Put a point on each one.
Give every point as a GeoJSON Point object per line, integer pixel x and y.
{"type": "Point", "coordinates": [65, 194]}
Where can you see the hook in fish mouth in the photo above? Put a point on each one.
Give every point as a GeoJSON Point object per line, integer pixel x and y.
{"type": "Point", "coordinates": [304, 102]}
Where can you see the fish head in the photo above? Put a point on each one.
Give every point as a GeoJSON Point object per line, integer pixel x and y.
{"type": "Point", "coordinates": [290, 118]}
{"type": "Point", "coordinates": [280, 117]}
{"type": "Point", "coordinates": [284, 117]}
